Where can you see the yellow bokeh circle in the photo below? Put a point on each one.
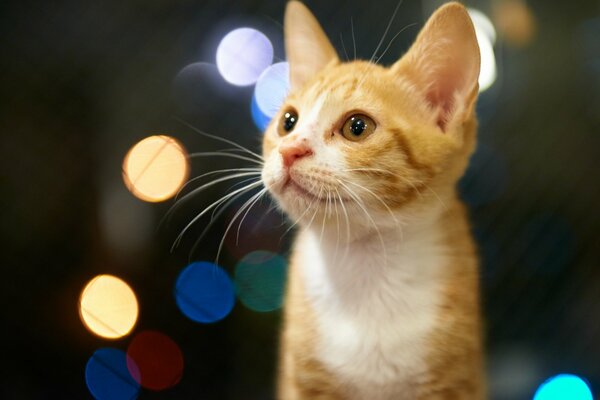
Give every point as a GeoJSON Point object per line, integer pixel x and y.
{"type": "Point", "coordinates": [108, 307]}
{"type": "Point", "coordinates": [155, 168]}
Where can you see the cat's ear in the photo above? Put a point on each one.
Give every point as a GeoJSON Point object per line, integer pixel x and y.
{"type": "Point", "coordinates": [444, 64]}
{"type": "Point", "coordinates": [306, 46]}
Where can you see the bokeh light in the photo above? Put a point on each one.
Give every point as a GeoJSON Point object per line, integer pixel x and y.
{"type": "Point", "coordinates": [482, 22]}
{"type": "Point", "coordinates": [516, 21]}
{"type": "Point", "coordinates": [157, 358]}
{"type": "Point", "coordinates": [260, 280]}
{"type": "Point", "coordinates": [204, 292]}
{"type": "Point", "coordinates": [272, 88]}
{"type": "Point", "coordinates": [108, 307]}
{"type": "Point", "coordinates": [486, 36]}
{"type": "Point", "coordinates": [261, 120]}
{"type": "Point", "coordinates": [242, 55]}
{"type": "Point", "coordinates": [111, 375]}
{"type": "Point", "coordinates": [562, 387]}
{"type": "Point", "coordinates": [155, 168]}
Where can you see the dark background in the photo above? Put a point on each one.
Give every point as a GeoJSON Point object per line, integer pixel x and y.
{"type": "Point", "coordinates": [83, 81]}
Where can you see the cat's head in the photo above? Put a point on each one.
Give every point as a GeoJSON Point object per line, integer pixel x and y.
{"type": "Point", "coordinates": [356, 138]}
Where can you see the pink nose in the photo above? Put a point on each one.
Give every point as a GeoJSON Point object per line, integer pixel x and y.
{"type": "Point", "coordinates": [293, 151]}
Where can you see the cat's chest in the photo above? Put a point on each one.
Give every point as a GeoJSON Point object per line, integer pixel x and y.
{"type": "Point", "coordinates": [374, 309]}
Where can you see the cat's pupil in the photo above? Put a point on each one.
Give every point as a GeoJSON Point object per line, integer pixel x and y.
{"type": "Point", "coordinates": [358, 126]}
{"type": "Point", "coordinates": [289, 121]}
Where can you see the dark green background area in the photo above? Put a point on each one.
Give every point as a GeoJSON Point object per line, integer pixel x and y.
{"type": "Point", "coordinates": [82, 81]}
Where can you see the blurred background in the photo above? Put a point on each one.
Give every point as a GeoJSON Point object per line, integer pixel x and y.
{"type": "Point", "coordinates": [107, 291]}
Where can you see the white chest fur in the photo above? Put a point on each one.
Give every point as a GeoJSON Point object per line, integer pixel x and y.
{"type": "Point", "coordinates": [374, 308]}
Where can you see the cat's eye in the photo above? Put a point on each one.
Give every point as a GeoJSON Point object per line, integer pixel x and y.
{"type": "Point", "coordinates": [358, 127]}
{"type": "Point", "coordinates": [288, 122]}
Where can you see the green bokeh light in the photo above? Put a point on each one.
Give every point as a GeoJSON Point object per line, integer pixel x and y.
{"type": "Point", "coordinates": [260, 280]}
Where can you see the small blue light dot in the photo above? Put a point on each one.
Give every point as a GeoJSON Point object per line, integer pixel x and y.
{"type": "Point", "coordinates": [108, 377]}
{"type": "Point", "coordinates": [564, 386]}
{"type": "Point", "coordinates": [261, 120]}
{"type": "Point", "coordinates": [260, 280]}
{"type": "Point", "coordinates": [204, 292]}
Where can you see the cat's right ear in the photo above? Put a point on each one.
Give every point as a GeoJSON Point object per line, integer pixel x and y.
{"type": "Point", "coordinates": [443, 64]}
{"type": "Point", "coordinates": [306, 46]}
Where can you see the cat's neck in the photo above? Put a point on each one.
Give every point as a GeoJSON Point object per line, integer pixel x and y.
{"type": "Point", "coordinates": [392, 260]}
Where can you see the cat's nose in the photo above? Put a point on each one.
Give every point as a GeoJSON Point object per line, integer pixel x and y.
{"type": "Point", "coordinates": [293, 151]}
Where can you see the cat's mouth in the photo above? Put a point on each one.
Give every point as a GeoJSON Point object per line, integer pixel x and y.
{"type": "Point", "coordinates": [294, 187]}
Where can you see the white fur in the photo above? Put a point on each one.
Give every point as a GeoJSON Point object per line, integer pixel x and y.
{"type": "Point", "coordinates": [374, 313]}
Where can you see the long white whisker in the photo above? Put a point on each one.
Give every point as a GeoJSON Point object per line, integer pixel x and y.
{"type": "Point", "coordinates": [360, 204]}
{"type": "Point", "coordinates": [237, 236]}
{"type": "Point", "coordinates": [437, 196]}
{"type": "Point", "coordinates": [248, 203]}
{"type": "Point", "coordinates": [347, 223]}
{"type": "Point", "coordinates": [353, 39]}
{"type": "Point", "coordinates": [224, 154]}
{"type": "Point", "coordinates": [213, 218]}
{"type": "Point", "coordinates": [381, 170]}
{"type": "Point", "coordinates": [324, 216]}
{"type": "Point", "coordinates": [216, 210]}
{"type": "Point", "coordinates": [378, 198]}
{"type": "Point", "coordinates": [196, 178]}
{"type": "Point", "coordinates": [337, 223]}
{"type": "Point", "coordinates": [297, 220]}
{"type": "Point", "coordinates": [180, 200]}
{"type": "Point", "coordinates": [212, 183]}
{"type": "Point", "coordinates": [231, 142]}
{"type": "Point", "coordinates": [392, 41]}
{"type": "Point", "coordinates": [207, 209]}
{"type": "Point", "coordinates": [344, 47]}
{"type": "Point", "coordinates": [387, 28]}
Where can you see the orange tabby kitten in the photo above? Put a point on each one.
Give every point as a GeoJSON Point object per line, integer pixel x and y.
{"type": "Point", "coordinates": [382, 299]}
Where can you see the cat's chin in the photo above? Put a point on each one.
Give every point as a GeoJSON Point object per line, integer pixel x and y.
{"type": "Point", "coordinates": [294, 190]}
{"type": "Point", "coordinates": [297, 201]}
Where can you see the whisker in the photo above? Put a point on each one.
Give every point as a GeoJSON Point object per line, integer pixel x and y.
{"type": "Point", "coordinates": [210, 207]}
{"type": "Point", "coordinates": [347, 223]}
{"type": "Point", "coordinates": [231, 142]}
{"type": "Point", "coordinates": [353, 39]}
{"type": "Point", "coordinates": [344, 47]}
{"type": "Point", "coordinates": [212, 183]}
{"type": "Point", "coordinates": [224, 154]}
{"type": "Point", "coordinates": [237, 236]}
{"type": "Point", "coordinates": [392, 41]}
{"type": "Point", "coordinates": [249, 203]}
{"type": "Point", "coordinates": [378, 198]}
{"type": "Point", "coordinates": [382, 171]}
{"type": "Point", "coordinates": [437, 196]}
{"type": "Point", "coordinates": [190, 181]}
{"type": "Point", "coordinates": [360, 204]}
{"type": "Point", "coordinates": [386, 30]}
{"type": "Point", "coordinates": [337, 223]}
{"type": "Point", "coordinates": [297, 220]}
{"type": "Point", "coordinates": [218, 208]}
{"type": "Point", "coordinates": [324, 217]}
{"type": "Point", "coordinates": [222, 207]}
{"type": "Point", "coordinates": [180, 200]}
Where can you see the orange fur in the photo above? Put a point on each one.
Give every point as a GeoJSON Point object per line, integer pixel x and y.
{"type": "Point", "coordinates": [388, 200]}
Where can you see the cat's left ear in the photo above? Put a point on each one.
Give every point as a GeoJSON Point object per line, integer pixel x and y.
{"type": "Point", "coordinates": [306, 46]}
{"type": "Point", "coordinates": [444, 65]}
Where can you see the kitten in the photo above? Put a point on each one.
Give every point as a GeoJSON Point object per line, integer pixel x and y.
{"type": "Point", "coordinates": [382, 299]}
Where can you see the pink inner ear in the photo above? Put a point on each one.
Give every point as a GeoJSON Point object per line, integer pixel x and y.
{"type": "Point", "coordinates": [441, 95]}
